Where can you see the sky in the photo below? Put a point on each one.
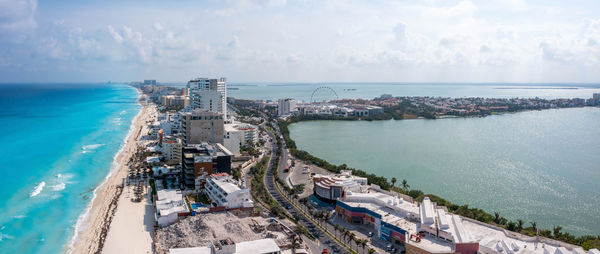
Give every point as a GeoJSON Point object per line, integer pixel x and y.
{"type": "Point", "coordinates": [545, 41]}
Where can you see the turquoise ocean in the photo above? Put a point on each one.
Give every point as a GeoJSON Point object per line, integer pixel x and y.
{"type": "Point", "coordinates": [58, 144]}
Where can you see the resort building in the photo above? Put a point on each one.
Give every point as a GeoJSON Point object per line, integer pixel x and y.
{"type": "Point", "coordinates": [169, 207]}
{"type": "Point", "coordinates": [227, 246]}
{"type": "Point", "coordinates": [239, 135]}
{"type": "Point", "coordinates": [202, 126]}
{"type": "Point", "coordinates": [171, 148]}
{"type": "Point", "coordinates": [286, 106]}
{"type": "Point", "coordinates": [199, 161]}
{"type": "Point", "coordinates": [331, 187]}
{"type": "Point", "coordinates": [175, 101]}
{"type": "Point", "coordinates": [170, 123]}
{"type": "Point", "coordinates": [208, 94]}
{"type": "Point", "coordinates": [149, 82]}
{"type": "Point", "coordinates": [224, 191]}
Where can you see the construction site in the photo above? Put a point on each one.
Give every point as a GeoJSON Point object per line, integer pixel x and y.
{"type": "Point", "coordinates": [210, 228]}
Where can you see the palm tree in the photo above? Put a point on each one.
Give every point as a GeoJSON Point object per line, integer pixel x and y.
{"type": "Point", "coordinates": [405, 185]}
{"type": "Point", "coordinates": [556, 231]}
{"type": "Point", "coordinates": [357, 241]}
{"type": "Point", "coordinates": [336, 228]}
{"type": "Point", "coordinates": [393, 182]}
{"type": "Point", "coordinates": [351, 237]}
{"type": "Point", "coordinates": [496, 217]}
{"type": "Point", "coordinates": [533, 225]}
{"type": "Point", "coordinates": [363, 244]}
{"type": "Point", "coordinates": [519, 225]}
{"type": "Point", "coordinates": [371, 251]}
{"type": "Point", "coordinates": [295, 243]}
{"type": "Point", "coordinates": [345, 233]}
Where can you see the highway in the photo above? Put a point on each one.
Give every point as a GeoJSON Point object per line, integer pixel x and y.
{"type": "Point", "coordinates": [325, 240]}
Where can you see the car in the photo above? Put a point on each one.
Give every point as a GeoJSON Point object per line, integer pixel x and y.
{"type": "Point", "coordinates": [389, 246]}
{"type": "Point", "coordinates": [288, 207]}
{"type": "Point", "coordinates": [394, 250]}
{"type": "Point", "coordinates": [370, 234]}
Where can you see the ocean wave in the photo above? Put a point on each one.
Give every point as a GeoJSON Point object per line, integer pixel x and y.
{"type": "Point", "coordinates": [82, 221]}
{"type": "Point", "coordinates": [59, 187]}
{"type": "Point", "coordinates": [38, 189]}
{"type": "Point", "coordinates": [5, 236]}
{"type": "Point", "coordinates": [20, 216]}
{"type": "Point", "coordinates": [91, 147]}
{"type": "Point", "coordinates": [62, 181]}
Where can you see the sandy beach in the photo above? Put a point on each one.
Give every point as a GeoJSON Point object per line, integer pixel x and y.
{"type": "Point", "coordinates": [92, 233]}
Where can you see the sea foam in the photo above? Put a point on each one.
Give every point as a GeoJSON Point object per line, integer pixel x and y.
{"type": "Point", "coordinates": [91, 147]}
{"type": "Point", "coordinates": [38, 189]}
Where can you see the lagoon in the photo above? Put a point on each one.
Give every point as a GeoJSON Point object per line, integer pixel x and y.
{"type": "Point", "coordinates": [538, 166]}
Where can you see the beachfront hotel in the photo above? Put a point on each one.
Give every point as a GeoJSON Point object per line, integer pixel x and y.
{"type": "Point", "coordinates": [199, 161]}
{"type": "Point", "coordinates": [426, 228]}
{"type": "Point", "coordinates": [224, 192]}
{"type": "Point", "coordinates": [208, 94]}
{"type": "Point", "coordinates": [169, 206]}
{"type": "Point", "coordinates": [202, 126]}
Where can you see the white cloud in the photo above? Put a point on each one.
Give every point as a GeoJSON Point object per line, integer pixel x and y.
{"type": "Point", "coordinates": [333, 40]}
{"type": "Point", "coordinates": [17, 14]}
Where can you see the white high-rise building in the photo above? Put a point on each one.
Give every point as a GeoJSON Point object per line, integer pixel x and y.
{"type": "Point", "coordinates": [286, 106]}
{"type": "Point", "coordinates": [208, 94]}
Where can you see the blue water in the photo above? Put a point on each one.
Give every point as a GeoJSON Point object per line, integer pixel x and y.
{"type": "Point", "coordinates": [306, 91]}
{"type": "Point", "coordinates": [58, 143]}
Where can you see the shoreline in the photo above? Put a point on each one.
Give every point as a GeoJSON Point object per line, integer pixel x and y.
{"type": "Point", "coordinates": [92, 225]}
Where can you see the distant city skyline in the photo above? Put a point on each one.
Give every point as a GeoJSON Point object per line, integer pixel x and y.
{"type": "Point", "coordinates": [301, 41]}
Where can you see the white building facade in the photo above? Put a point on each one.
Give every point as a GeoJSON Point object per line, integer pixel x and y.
{"type": "Point", "coordinates": [202, 93]}
{"type": "Point", "coordinates": [286, 106]}
{"type": "Point", "coordinates": [169, 205]}
{"type": "Point", "coordinates": [223, 190]}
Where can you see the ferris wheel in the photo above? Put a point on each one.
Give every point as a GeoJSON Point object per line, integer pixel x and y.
{"type": "Point", "coordinates": [323, 94]}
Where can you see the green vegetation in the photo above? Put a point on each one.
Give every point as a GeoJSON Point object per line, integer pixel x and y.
{"type": "Point", "coordinates": [250, 149]}
{"type": "Point", "coordinates": [236, 173]}
{"type": "Point", "coordinates": [586, 241]}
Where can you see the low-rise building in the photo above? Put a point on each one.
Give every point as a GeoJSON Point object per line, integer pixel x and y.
{"type": "Point", "coordinates": [224, 191]}
{"type": "Point", "coordinates": [227, 246]}
{"type": "Point", "coordinates": [331, 187]}
{"type": "Point", "coordinates": [169, 207]}
{"type": "Point", "coordinates": [426, 228]}
{"type": "Point", "coordinates": [239, 135]}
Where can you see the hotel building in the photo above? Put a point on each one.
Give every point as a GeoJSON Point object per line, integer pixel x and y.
{"type": "Point", "coordinates": [208, 94]}
{"type": "Point", "coordinates": [201, 126]}
{"type": "Point", "coordinates": [224, 191]}
{"type": "Point", "coordinates": [199, 161]}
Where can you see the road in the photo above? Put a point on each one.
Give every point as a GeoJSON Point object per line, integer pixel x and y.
{"type": "Point", "coordinates": [325, 241]}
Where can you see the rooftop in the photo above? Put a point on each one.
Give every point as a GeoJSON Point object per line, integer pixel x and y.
{"type": "Point", "coordinates": [258, 246]}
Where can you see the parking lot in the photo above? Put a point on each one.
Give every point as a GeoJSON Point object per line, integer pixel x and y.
{"type": "Point", "coordinates": [362, 231]}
